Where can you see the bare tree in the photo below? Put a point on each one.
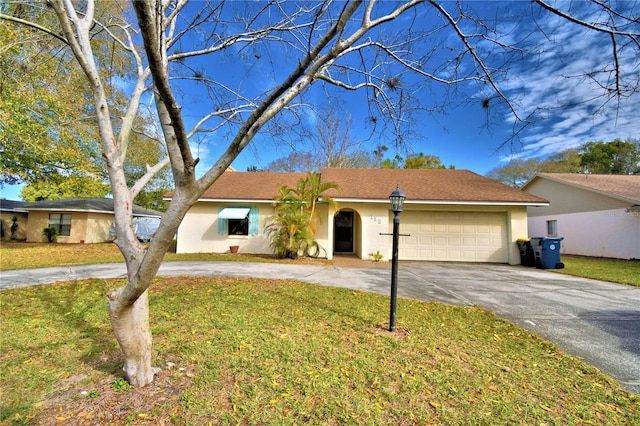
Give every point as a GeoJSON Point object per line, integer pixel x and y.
{"type": "Point", "coordinates": [392, 52]}
{"type": "Point", "coordinates": [331, 145]}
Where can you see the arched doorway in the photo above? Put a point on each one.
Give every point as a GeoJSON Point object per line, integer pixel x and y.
{"type": "Point", "coordinates": [343, 232]}
{"type": "Point", "coordinates": [347, 232]}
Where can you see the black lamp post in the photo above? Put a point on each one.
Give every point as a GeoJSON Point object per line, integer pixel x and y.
{"type": "Point", "coordinates": [397, 200]}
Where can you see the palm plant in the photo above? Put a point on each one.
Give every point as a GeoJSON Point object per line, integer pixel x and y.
{"type": "Point", "coordinates": [310, 189]}
{"type": "Point", "coordinates": [292, 228]}
{"type": "Point", "coordinates": [50, 233]}
{"type": "Point", "coordinates": [289, 231]}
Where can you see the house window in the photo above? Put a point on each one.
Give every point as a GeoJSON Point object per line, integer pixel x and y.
{"type": "Point", "coordinates": [552, 228]}
{"type": "Point", "coordinates": [238, 226]}
{"type": "Point", "coordinates": [61, 222]}
{"type": "Point", "coordinates": [237, 221]}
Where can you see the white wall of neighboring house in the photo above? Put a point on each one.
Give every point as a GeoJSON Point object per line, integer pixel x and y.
{"type": "Point", "coordinates": [606, 233]}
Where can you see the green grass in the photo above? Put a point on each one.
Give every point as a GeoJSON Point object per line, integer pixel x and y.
{"type": "Point", "coordinates": [617, 271]}
{"type": "Point", "coordinates": [285, 353]}
{"type": "Point", "coordinates": [39, 255]}
{"type": "Point", "coordinates": [15, 256]}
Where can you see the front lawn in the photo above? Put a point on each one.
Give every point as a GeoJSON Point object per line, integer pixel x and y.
{"type": "Point", "coordinates": [614, 270]}
{"type": "Point", "coordinates": [40, 255]}
{"type": "Point", "coordinates": [252, 351]}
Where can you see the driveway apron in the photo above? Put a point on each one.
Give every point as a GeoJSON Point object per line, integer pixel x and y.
{"type": "Point", "coordinates": [596, 321]}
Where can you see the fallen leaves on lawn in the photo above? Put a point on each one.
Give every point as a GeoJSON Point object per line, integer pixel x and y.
{"type": "Point", "coordinates": [99, 403]}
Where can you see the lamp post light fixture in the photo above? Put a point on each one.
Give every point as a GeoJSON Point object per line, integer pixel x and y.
{"type": "Point", "coordinates": [397, 198]}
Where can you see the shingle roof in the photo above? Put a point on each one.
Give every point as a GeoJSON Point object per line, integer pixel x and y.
{"type": "Point", "coordinates": [625, 187]}
{"type": "Point", "coordinates": [426, 185]}
{"type": "Point", "coordinates": [259, 186]}
{"type": "Point", "coordinates": [86, 204]}
{"type": "Point", "coordinates": [12, 205]}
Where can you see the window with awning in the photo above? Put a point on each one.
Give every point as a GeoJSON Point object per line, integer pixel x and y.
{"type": "Point", "coordinates": [238, 221]}
{"type": "Point", "coordinates": [234, 213]}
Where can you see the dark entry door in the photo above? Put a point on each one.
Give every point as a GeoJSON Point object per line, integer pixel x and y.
{"type": "Point", "coordinates": [343, 232]}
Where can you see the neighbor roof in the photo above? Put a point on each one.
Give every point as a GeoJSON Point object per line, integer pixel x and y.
{"type": "Point", "coordinates": [419, 185]}
{"type": "Point", "coordinates": [12, 206]}
{"type": "Point", "coordinates": [424, 185]}
{"type": "Point", "coordinates": [100, 205]}
{"type": "Point", "coordinates": [622, 187]}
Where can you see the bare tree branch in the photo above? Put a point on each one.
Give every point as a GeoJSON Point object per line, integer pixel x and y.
{"type": "Point", "coordinates": [479, 62]}
{"type": "Point", "coordinates": [591, 26]}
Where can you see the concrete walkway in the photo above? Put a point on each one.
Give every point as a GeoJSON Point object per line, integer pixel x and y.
{"type": "Point", "coordinates": [593, 320]}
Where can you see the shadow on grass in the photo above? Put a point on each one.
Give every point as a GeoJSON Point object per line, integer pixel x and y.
{"type": "Point", "coordinates": [81, 306]}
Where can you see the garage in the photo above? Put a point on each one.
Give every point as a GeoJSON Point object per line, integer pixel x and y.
{"type": "Point", "coordinates": [454, 236]}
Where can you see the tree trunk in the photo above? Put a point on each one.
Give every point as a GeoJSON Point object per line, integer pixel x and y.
{"type": "Point", "coordinates": [130, 324]}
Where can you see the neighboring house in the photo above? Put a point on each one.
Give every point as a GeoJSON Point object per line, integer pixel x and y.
{"type": "Point", "coordinates": [78, 220]}
{"type": "Point", "coordinates": [10, 209]}
{"type": "Point", "coordinates": [597, 215]}
{"type": "Point", "coordinates": [451, 215]}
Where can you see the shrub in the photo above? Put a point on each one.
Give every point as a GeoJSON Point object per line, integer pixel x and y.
{"type": "Point", "coordinates": [50, 233]}
{"type": "Point", "coordinates": [377, 256]}
{"type": "Point", "coordinates": [14, 227]}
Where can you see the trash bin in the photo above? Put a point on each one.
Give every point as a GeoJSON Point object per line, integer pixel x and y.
{"type": "Point", "coordinates": [527, 257]}
{"type": "Point", "coordinates": [547, 252]}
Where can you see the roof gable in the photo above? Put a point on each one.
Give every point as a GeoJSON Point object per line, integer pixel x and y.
{"type": "Point", "coordinates": [620, 187]}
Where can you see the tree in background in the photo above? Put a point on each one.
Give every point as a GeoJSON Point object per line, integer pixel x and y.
{"type": "Point", "coordinates": [515, 173]}
{"type": "Point", "coordinates": [46, 125]}
{"type": "Point", "coordinates": [566, 161]}
{"type": "Point", "coordinates": [415, 161]}
{"type": "Point", "coordinates": [616, 157]}
{"type": "Point", "coordinates": [49, 137]}
{"type": "Point", "coordinates": [332, 146]}
{"type": "Point", "coordinates": [57, 187]}
{"type": "Point", "coordinates": [384, 51]}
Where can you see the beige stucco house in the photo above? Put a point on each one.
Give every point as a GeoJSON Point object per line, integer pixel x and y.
{"type": "Point", "coordinates": [451, 215]}
{"type": "Point", "coordinates": [78, 220]}
{"type": "Point", "coordinates": [10, 209]}
{"type": "Point", "coordinates": [597, 215]}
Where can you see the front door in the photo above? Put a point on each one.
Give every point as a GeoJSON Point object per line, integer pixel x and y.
{"type": "Point", "coordinates": [343, 232]}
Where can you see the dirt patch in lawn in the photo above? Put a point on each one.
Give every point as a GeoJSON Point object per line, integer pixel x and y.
{"type": "Point", "coordinates": [104, 402]}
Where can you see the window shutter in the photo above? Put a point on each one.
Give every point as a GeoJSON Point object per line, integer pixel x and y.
{"type": "Point", "coordinates": [253, 221]}
{"type": "Point", "coordinates": [222, 224]}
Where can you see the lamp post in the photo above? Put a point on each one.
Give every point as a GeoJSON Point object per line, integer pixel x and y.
{"type": "Point", "coordinates": [397, 200]}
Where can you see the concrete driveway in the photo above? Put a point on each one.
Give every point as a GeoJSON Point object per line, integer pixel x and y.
{"type": "Point", "coordinates": [593, 320]}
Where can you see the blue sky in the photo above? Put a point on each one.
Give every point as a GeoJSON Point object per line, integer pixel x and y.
{"type": "Point", "coordinates": [566, 112]}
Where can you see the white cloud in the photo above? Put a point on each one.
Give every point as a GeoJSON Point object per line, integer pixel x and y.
{"type": "Point", "coordinates": [570, 109]}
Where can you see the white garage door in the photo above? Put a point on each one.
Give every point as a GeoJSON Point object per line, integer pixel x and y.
{"type": "Point", "coordinates": [453, 236]}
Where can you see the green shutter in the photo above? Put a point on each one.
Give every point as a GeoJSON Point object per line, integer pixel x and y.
{"type": "Point", "coordinates": [222, 224]}
{"type": "Point", "coordinates": [253, 221]}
